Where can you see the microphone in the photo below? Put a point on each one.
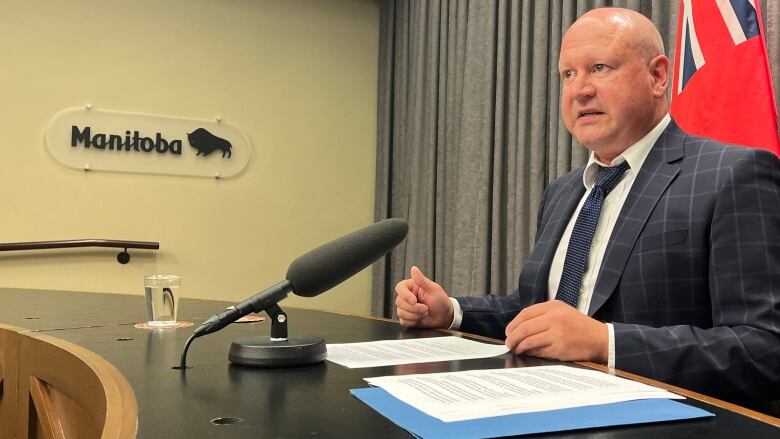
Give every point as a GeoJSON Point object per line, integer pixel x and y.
{"type": "Point", "coordinates": [319, 270]}
{"type": "Point", "coordinates": [258, 302]}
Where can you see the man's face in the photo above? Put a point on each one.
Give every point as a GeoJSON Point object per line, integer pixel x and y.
{"type": "Point", "coordinates": [607, 99]}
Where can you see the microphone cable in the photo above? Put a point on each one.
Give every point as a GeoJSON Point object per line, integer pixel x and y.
{"type": "Point", "coordinates": [183, 364]}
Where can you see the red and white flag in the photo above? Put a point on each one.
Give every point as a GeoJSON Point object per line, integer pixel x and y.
{"type": "Point", "coordinates": [722, 86]}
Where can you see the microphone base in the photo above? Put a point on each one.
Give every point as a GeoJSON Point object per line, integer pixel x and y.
{"type": "Point", "coordinates": [262, 352]}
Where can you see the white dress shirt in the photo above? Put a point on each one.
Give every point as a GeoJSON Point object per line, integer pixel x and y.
{"type": "Point", "coordinates": [635, 155]}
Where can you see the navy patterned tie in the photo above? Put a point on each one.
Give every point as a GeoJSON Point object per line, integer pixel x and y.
{"type": "Point", "coordinates": [582, 234]}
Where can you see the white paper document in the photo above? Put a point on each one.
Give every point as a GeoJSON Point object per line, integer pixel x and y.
{"type": "Point", "coordinates": [457, 396]}
{"type": "Point", "coordinates": [418, 350]}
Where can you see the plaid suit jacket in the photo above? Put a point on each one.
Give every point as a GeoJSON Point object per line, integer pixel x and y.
{"type": "Point", "coordinates": [691, 276]}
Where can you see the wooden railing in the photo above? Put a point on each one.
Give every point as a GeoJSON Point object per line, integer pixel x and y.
{"type": "Point", "coordinates": [123, 257]}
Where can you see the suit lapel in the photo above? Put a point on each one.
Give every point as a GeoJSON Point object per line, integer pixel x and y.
{"type": "Point", "coordinates": [657, 172]}
{"type": "Point", "coordinates": [556, 218]}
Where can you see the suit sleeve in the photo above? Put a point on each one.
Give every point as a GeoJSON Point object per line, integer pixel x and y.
{"type": "Point", "coordinates": [739, 356]}
{"type": "Point", "coordinates": [489, 315]}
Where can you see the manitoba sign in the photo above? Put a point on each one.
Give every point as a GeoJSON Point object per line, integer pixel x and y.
{"type": "Point", "coordinates": [94, 139]}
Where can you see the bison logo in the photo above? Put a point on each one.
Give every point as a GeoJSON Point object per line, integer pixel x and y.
{"type": "Point", "coordinates": [206, 143]}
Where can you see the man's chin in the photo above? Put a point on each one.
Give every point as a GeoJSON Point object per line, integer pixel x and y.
{"type": "Point", "coordinates": [589, 140]}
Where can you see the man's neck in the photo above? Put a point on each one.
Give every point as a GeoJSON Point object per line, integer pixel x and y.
{"type": "Point", "coordinates": [644, 144]}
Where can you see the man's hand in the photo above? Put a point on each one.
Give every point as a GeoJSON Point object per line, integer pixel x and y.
{"type": "Point", "coordinates": [422, 303]}
{"type": "Point", "coordinates": [557, 331]}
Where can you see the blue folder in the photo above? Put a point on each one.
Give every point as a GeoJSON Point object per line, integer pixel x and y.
{"type": "Point", "coordinates": [603, 415]}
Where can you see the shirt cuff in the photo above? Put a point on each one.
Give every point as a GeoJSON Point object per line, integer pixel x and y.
{"type": "Point", "coordinates": [457, 314]}
{"type": "Point", "coordinates": [611, 355]}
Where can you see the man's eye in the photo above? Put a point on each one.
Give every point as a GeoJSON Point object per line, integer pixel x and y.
{"type": "Point", "coordinates": [599, 68]}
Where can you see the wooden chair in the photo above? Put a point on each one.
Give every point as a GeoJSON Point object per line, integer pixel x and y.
{"type": "Point", "coordinates": [9, 362]}
{"type": "Point", "coordinates": [66, 391]}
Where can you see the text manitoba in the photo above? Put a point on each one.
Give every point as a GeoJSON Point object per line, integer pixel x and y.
{"type": "Point", "coordinates": [130, 141]}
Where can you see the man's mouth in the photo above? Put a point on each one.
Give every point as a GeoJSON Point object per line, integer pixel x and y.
{"type": "Point", "coordinates": [588, 113]}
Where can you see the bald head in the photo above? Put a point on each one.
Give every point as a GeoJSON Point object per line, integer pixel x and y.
{"type": "Point", "coordinates": [633, 28]}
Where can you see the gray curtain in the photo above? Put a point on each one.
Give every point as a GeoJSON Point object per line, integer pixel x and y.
{"type": "Point", "coordinates": [469, 132]}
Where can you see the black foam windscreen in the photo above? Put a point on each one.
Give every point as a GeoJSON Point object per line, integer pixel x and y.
{"type": "Point", "coordinates": [328, 265]}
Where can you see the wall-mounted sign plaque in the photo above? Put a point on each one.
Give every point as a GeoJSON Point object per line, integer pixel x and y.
{"type": "Point", "coordinates": [90, 138]}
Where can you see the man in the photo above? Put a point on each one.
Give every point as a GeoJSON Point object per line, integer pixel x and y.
{"type": "Point", "coordinates": [663, 251]}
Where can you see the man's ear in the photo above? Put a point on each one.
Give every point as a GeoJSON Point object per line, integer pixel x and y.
{"type": "Point", "coordinates": [659, 70]}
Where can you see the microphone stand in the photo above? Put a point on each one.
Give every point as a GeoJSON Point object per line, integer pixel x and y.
{"type": "Point", "coordinates": [278, 350]}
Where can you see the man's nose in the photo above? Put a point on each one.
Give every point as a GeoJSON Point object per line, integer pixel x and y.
{"type": "Point", "coordinates": [583, 87]}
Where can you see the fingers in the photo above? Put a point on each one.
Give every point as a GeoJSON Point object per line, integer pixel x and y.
{"type": "Point", "coordinates": [539, 309]}
{"type": "Point", "coordinates": [405, 290]}
{"type": "Point", "coordinates": [419, 278]}
{"type": "Point", "coordinates": [410, 312]}
{"type": "Point", "coordinates": [409, 319]}
{"type": "Point", "coordinates": [539, 345]}
{"type": "Point", "coordinates": [525, 330]}
{"type": "Point", "coordinates": [407, 300]}
{"type": "Point", "coordinates": [411, 316]}
{"type": "Point", "coordinates": [526, 314]}
{"type": "Point", "coordinates": [510, 328]}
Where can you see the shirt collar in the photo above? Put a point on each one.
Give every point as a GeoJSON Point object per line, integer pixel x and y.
{"type": "Point", "coordinates": [635, 154]}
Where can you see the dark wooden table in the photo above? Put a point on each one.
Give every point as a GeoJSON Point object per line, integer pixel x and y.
{"type": "Point", "coordinates": [310, 401]}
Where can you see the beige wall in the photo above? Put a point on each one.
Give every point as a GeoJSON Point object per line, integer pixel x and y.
{"type": "Point", "coordinates": [298, 77]}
